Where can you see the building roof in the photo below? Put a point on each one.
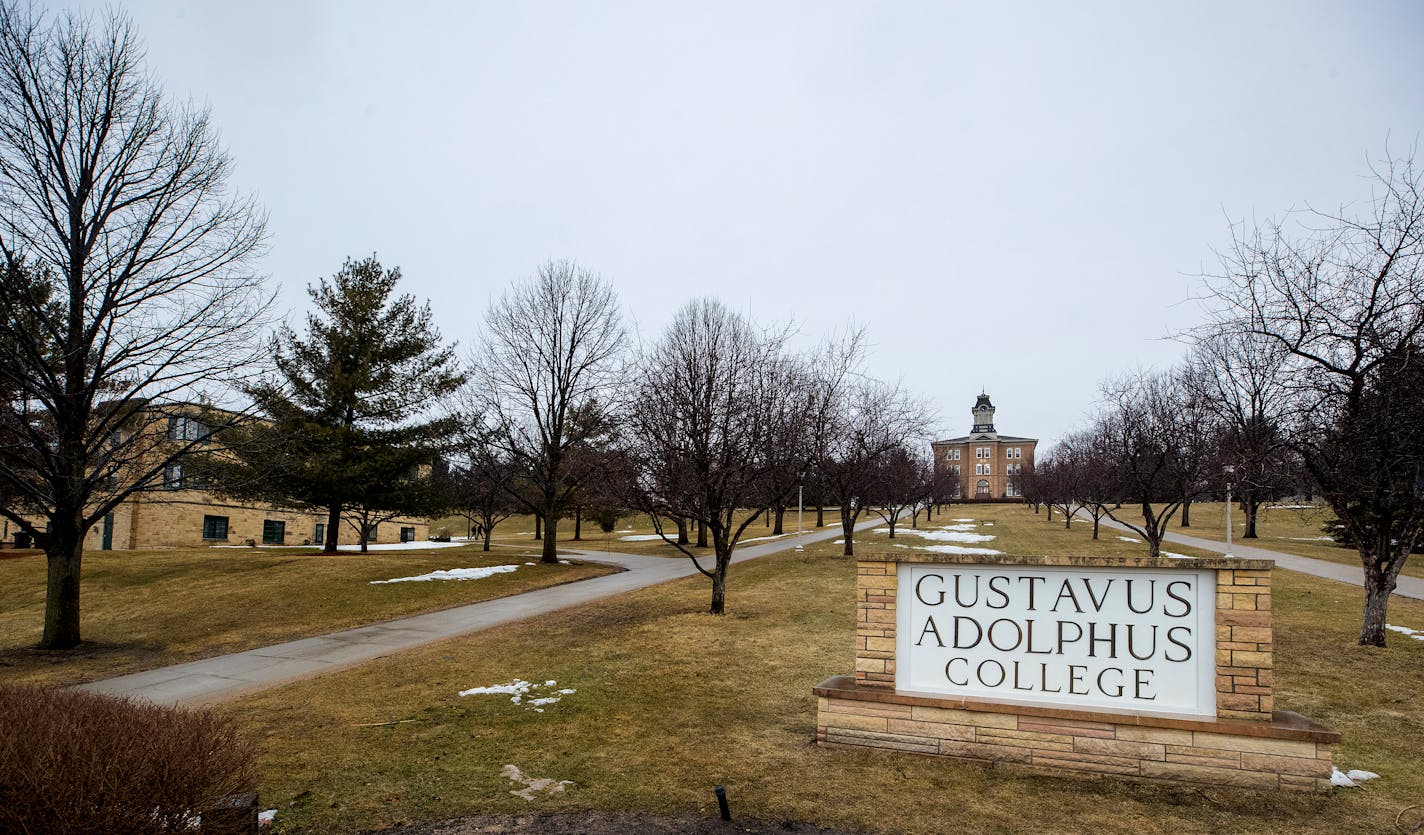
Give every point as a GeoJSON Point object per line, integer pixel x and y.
{"type": "Point", "coordinates": [986, 437]}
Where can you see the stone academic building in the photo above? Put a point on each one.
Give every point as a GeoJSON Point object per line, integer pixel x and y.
{"type": "Point", "coordinates": [984, 465]}
{"type": "Point", "coordinates": [183, 513]}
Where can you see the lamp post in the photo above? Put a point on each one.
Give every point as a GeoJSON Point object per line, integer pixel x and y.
{"type": "Point", "coordinates": [800, 506]}
{"type": "Point", "coordinates": [1230, 471]}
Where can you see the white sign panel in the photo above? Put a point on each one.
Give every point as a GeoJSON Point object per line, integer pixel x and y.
{"type": "Point", "coordinates": [1140, 640]}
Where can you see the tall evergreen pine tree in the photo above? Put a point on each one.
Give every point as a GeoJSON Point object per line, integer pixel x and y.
{"type": "Point", "coordinates": [343, 431]}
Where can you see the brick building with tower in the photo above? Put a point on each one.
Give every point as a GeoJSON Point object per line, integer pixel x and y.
{"type": "Point", "coordinates": [984, 464]}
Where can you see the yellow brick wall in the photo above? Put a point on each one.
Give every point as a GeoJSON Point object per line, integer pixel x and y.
{"type": "Point", "coordinates": [1093, 748]}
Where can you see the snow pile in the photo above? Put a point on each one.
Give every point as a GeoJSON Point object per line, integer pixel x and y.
{"type": "Point", "coordinates": [1128, 539]}
{"type": "Point", "coordinates": [1416, 634]}
{"type": "Point", "coordinates": [532, 785]}
{"type": "Point", "coordinates": [519, 688]}
{"type": "Point", "coordinates": [950, 549]}
{"type": "Point", "coordinates": [940, 535]}
{"type": "Point", "coordinates": [1350, 779]}
{"type": "Point", "coordinates": [264, 818]}
{"type": "Point", "coordinates": [452, 574]}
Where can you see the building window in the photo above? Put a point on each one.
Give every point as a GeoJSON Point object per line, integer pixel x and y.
{"type": "Point", "coordinates": [214, 527]}
{"type": "Point", "coordinates": [372, 531]}
{"type": "Point", "coordinates": [986, 469]}
{"type": "Point", "coordinates": [319, 537]}
{"type": "Point", "coordinates": [407, 535]}
{"type": "Point", "coordinates": [978, 452]}
{"type": "Point", "coordinates": [956, 455]}
{"type": "Point", "coordinates": [173, 477]}
{"type": "Point", "coordinates": [187, 429]}
{"type": "Point", "coordinates": [273, 532]}
{"type": "Point", "coordinates": [1018, 453]}
{"type": "Point", "coordinates": [1008, 453]}
{"type": "Point", "coordinates": [956, 469]}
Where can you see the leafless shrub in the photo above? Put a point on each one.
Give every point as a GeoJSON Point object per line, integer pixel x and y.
{"type": "Point", "coordinates": [73, 762]}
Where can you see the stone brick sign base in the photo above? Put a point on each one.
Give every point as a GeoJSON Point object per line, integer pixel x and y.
{"type": "Point", "coordinates": [1290, 752]}
{"type": "Point", "coordinates": [1246, 743]}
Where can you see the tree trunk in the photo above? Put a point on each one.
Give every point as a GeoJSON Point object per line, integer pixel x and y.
{"type": "Point", "coordinates": [64, 554]}
{"type": "Point", "coordinates": [848, 530]}
{"type": "Point", "coordinates": [333, 528]}
{"type": "Point", "coordinates": [489, 531]}
{"type": "Point", "coordinates": [719, 581]}
{"type": "Point", "coordinates": [1050, 513]}
{"type": "Point", "coordinates": [538, 527]}
{"type": "Point", "coordinates": [820, 514]}
{"type": "Point", "coordinates": [766, 517]}
{"type": "Point", "coordinates": [1096, 519]}
{"type": "Point", "coordinates": [1379, 584]}
{"type": "Point", "coordinates": [551, 537]}
{"type": "Point", "coordinates": [701, 534]}
{"type": "Point", "coordinates": [1250, 507]}
{"type": "Point", "coordinates": [682, 531]}
{"type": "Point", "coordinates": [780, 514]}
{"type": "Point", "coordinates": [1187, 514]}
{"type": "Point", "coordinates": [578, 522]}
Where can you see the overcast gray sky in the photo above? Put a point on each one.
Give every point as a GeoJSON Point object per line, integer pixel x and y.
{"type": "Point", "coordinates": [1009, 198]}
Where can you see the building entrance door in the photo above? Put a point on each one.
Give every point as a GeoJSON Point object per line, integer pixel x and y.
{"type": "Point", "coordinates": [107, 542]}
{"type": "Point", "coordinates": [982, 490]}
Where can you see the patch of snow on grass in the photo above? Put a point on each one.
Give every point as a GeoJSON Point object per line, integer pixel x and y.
{"type": "Point", "coordinates": [1312, 539]}
{"type": "Point", "coordinates": [264, 818]}
{"type": "Point", "coordinates": [950, 549]}
{"type": "Point", "coordinates": [965, 520]}
{"type": "Point", "coordinates": [1129, 539]}
{"type": "Point", "coordinates": [519, 688]}
{"type": "Point", "coordinates": [1350, 779]}
{"type": "Point", "coordinates": [1404, 630]}
{"type": "Point", "coordinates": [963, 527]}
{"type": "Point", "coordinates": [532, 785]}
{"type": "Point", "coordinates": [453, 574]}
{"type": "Point", "coordinates": [941, 536]}
{"type": "Point", "coordinates": [1174, 556]}
{"type": "Point", "coordinates": [1290, 507]}
{"type": "Point", "coordinates": [642, 537]}
{"type": "Point", "coordinates": [838, 542]}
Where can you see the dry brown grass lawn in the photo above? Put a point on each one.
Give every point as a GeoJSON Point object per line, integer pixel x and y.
{"type": "Point", "coordinates": [671, 701]}
{"type": "Point", "coordinates": [146, 609]}
{"type": "Point", "coordinates": [1285, 528]}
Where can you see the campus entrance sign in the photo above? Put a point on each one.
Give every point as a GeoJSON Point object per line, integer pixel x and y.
{"type": "Point", "coordinates": [1145, 668]}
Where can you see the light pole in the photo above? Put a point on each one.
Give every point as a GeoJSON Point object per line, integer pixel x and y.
{"type": "Point", "coordinates": [800, 506]}
{"type": "Point", "coordinates": [1230, 471]}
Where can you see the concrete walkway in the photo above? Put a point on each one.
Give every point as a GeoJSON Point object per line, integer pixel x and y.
{"type": "Point", "coordinates": [1411, 587]}
{"type": "Point", "coordinates": [226, 677]}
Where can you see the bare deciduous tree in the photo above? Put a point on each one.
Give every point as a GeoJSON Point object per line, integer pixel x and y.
{"type": "Point", "coordinates": [1142, 434]}
{"type": "Point", "coordinates": [140, 292]}
{"type": "Point", "coordinates": [1343, 295]}
{"type": "Point", "coordinates": [709, 397]}
{"type": "Point", "coordinates": [543, 382]}
{"type": "Point", "coordinates": [868, 419]}
{"type": "Point", "coordinates": [1240, 377]}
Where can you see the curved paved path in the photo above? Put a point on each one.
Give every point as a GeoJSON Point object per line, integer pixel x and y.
{"type": "Point", "coordinates": [226, 677]}
{"type": "Point", "coordinates": [1411, 587]}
